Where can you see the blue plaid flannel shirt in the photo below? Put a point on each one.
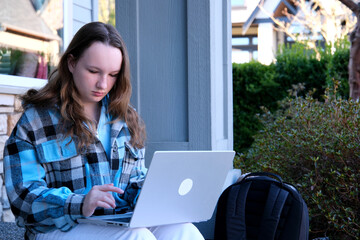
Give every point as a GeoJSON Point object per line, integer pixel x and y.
{"type": "Point", "coordinates": [46, 177]}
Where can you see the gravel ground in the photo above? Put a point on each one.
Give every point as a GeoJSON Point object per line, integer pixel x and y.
{"type": "Point", "coordinates": [9, 231]}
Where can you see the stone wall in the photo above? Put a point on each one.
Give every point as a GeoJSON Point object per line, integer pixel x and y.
{"type": "Point", "coordinates": [10, 112]}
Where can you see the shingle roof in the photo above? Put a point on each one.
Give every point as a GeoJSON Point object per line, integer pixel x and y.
{"type": "Point", "coordinates": [252, 17]}
{"type": "Point", "coordinates": [20, 16]}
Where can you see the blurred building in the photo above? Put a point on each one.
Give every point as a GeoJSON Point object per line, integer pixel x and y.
{"type": "Point", "coordinates": [29, 38]}
{"type": "Point", "coordinates": [253, 34]}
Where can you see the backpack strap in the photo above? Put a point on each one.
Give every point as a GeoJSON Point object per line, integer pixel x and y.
{"type": "Point", "coordinates": [236, 209]}
{"type": "Point", "coordinates": [272, 212]}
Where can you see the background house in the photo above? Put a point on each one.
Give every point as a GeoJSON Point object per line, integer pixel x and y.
{"type": "Point", "coordinates": [253, 32]}
{"type": "Point", "coordinates": [26, 38]}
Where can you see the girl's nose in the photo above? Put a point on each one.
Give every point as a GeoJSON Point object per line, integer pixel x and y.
{"type": "Point", "coordinates": [102, 82]}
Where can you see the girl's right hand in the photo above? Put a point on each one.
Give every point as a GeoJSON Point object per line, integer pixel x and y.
{"type": "Point", "coordinates": [99, 196]}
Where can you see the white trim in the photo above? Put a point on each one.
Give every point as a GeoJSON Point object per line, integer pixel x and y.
{"type": "Point", "coordinates": [68, 22]}
{"type": "Point", "coordinates": [95, 10]}
{"type": "Point", "coordinates": [19, 85]}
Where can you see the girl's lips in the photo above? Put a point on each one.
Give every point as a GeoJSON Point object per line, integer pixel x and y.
{"type": "Point", "coordinates": [98, 94]}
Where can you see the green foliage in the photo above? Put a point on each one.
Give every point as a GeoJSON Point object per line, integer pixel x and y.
{"type": "Point", "coordinates": [298, 64]}
{"type": "Point", "coordinates": [338, 67]}
{"type": "Point", "coordinates": [112, 17]}
{"type": "Point", "coordinates": [256, 85]}
{"type": "Point", "coordinates": [253, 85]}
{"type": "Point", "coordinates": [107, 11]}
{"type": "Point", "coordinates": [315, 145]}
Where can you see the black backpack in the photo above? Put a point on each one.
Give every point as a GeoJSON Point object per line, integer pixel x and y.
{"type": "Point", "coordinates": [262, 208]}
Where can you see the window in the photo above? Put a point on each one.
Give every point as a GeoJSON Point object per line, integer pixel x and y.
{"type": "Point", "coordinates": [237, 3]}
{"type": "Point", "coordinates": [240, 41]}
{"type": "Point", "coordinates": [255, 55]}
{"type": "Point", "coordinates": [31, 38]}
{"type": "Point", "coordinates": [254, 40]}
{"type": "Point", "coordinates": [244, 49]}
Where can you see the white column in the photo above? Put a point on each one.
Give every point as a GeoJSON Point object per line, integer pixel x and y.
{"type": "Point", "coordinates": [68, 22]}
{"type": "Point", "coordinates": [266, 43]}
{"type": "Point", "coordinates": [221, 77]}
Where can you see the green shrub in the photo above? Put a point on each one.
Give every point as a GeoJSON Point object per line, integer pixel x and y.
{"type": "Point", "coordinates": [316, 146]}
{"type": "Point", "coordinates": [337, 68]}
{"type": "Point", "coordinates": [253, 86]}
{"type": "Point", "coordinates": [257, 85]}
{"type": "Point", "coordinates": [298, 64]}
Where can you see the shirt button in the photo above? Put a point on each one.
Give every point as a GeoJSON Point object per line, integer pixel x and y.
{"type": "Point", "coordinates": [115, 148]}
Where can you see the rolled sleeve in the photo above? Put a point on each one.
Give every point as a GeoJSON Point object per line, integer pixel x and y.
{"type": "Point", "coordinates": [73, 206]}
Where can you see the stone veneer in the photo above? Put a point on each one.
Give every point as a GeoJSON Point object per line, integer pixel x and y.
{"type": "Point", "coordinates": [10, 112]}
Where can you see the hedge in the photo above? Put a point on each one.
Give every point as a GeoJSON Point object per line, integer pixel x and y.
{"type": "Point", "coordinates": [316, 146]}
{"type": "Point", "coordinates": [257, 86]}
{"type": "Point", "coordinates": [253, 84]}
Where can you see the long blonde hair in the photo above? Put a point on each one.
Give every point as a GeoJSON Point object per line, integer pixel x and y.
{"type": "Point", "coordinates": [61, 91]}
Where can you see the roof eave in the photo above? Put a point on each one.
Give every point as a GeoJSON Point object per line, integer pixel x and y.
{"type": "Point", "coordinates": [46, 37]}
{"type": "Point", "coordinates": [251, 19]}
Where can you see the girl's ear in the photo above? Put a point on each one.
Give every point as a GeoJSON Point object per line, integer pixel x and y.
{"type": "Point", "coordinates": [71, 62]}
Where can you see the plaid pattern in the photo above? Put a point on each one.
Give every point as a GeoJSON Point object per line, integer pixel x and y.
{"type": "Point", "coordinates": [47, 179]}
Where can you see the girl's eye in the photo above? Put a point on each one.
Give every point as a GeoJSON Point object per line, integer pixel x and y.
{"type": "Point", "coordinates": [92, 71]}
{"type": "Point", "coordinates": [114, 75]}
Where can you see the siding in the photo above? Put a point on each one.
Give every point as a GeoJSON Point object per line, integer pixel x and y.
{"type": "Point", "coordinates": [82, 13]}
{"type": "Point", "coordinates": [181, 71]}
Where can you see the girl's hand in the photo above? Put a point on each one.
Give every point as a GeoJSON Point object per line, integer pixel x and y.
{"type": "Point", "coordinates": [99, 196]}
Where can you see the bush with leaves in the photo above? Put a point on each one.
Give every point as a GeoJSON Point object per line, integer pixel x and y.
{"type": "Point", "coordinates": [253, 86]}
{"type": "Point", "coordinates": [298, 64]}
{"type": "Point", "coordinates": [256, 85]}
{"type": "Point", "coordinates": [316, 146]}
{"type": "Point", "coordinates": [338, 67]}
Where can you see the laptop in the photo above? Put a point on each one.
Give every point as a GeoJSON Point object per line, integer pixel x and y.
{"type": "Point", "coordinates": [180, 186]}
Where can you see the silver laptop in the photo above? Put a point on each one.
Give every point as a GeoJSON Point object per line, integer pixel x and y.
{"type": "Point", "coordinates": [180, 186]}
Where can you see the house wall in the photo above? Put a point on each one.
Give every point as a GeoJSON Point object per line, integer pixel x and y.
{"type": "Point", "coordinates": [76, 14]}
{"type": "Point", "coordinates": [10, 112]}
{"type": "Point", "coordinates": [84, 11]}
{"type": "Point", "coordinates": [181, 73]}
{"type": "Point", "coordinates": [11, 87]}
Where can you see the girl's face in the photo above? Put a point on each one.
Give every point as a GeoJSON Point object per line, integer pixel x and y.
{"type": "Point", "coordinates": [96, 71]}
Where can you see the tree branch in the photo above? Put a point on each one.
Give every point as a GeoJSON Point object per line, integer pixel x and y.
{"type": "Point", "coordinates": [351, 5]}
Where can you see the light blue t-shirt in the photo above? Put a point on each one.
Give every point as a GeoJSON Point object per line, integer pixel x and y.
{"type": "Point", "coordinates": [103, 130]}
